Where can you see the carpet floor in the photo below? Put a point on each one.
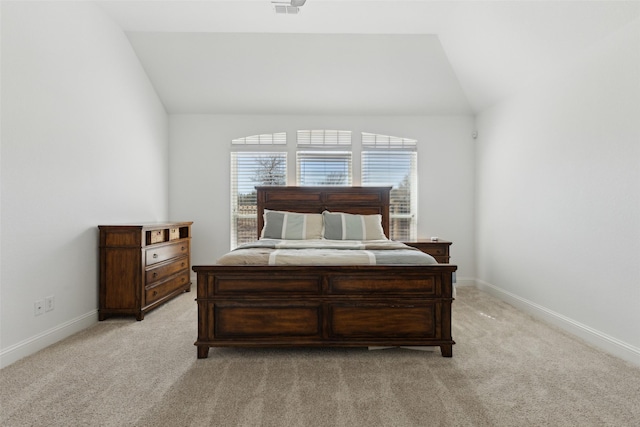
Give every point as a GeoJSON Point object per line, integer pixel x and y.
{"type": "Point", "coordinates": [508, 369]}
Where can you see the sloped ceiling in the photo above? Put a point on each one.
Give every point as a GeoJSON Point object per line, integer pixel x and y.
{"type": "Point", "coordinates": [301, 73]}
{"type": "Point", "coordinates": [356, 57]}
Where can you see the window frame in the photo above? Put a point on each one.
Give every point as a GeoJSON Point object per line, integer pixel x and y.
{"type": "Point", "coordinates": [252, 147]}
{"type": "Point", "coordinates": [393, 149]}
{"type": "Point", "coordinates": [329, 143]}
{"type": "Point", "coordinates": [319, 144]}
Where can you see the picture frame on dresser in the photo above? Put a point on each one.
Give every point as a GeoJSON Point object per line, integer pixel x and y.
{"type": "Point", "coordinates": [142, 266]}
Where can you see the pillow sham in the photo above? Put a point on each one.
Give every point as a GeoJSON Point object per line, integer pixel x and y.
{"type": "Point", "coordinates": [291, 225]}
{"type": "Point", "coordinates": [344, 226]}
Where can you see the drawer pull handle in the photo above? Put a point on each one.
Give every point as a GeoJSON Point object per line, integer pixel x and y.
{"type": "Point", "coordinates": [155, 255]}
{"type": "Point", "coordinates": [182, 265]}
{"type": "Point", "coordinates": [182, 248]}
{"type": "Point", "coordinates": [155, 275]}
{"type": "Point", "coordinates": [155, 293]}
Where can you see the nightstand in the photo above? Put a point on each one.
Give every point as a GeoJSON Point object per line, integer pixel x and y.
{"type": "Point", "coordinates": [439, 249]}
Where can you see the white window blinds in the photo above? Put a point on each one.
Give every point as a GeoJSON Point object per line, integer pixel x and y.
{"type": "Point", "coordinates": [392, 161]}
{"type": "Point", "coordinates": [324, 138]}
{"type": "Point", "coordinates": [323, 157]}
{"type": "Point", "coordinates": [385, 142]}
{"type": "Point", "coordinates": [248, 170]}
{"type": "Point", "coordinates": [279, 138]}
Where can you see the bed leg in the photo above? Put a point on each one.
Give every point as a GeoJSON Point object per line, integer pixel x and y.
{"type": "Point", "coordinates": [203, 351]}
{"type": "Point", "coordinates": [446, 350]}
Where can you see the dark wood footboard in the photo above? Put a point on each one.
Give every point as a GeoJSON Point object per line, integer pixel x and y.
{"type": "Point", "coordinates": [262, 306]}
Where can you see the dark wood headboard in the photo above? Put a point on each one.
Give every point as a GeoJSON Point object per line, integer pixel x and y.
{"type": "Point", "coordinates": [354, 200]}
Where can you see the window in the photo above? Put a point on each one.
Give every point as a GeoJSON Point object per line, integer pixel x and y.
{"type": "Point", "coordinates": [248, 170]}
{"type": "Point", "coordinates": [392, 161]}
{"type": "Point", "coordinates": [324, 157]}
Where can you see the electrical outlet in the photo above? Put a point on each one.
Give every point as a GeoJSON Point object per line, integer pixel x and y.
{"type": "Point", "coordinates": [49, 303]}
{"type": "Point", "coordinates": [38, 307]}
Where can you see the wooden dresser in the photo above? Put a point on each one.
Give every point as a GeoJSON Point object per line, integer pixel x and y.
{"type": "Point", "coordinates": [439, 249]}
{"type": "Point", "coordinates": [142, 266]}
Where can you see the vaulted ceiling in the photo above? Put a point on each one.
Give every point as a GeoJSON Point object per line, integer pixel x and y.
{"type": "Point", "coordinates": [387, 57]}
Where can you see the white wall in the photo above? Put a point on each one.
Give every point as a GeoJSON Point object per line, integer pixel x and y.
{"type": "Point", "coordinates": [84, 142]}
{"type": "Point", "coordinates": [558, 196]}
{"type": "Point", "coordinates": [200, 188]}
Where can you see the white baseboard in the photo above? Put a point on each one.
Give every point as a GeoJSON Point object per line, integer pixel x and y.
{"type": "Point", "coordinates": [599, 339]}
{"type": "Point", "coordinates": [36, 343]}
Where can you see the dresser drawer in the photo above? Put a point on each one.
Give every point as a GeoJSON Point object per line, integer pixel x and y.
{"type": "Point", "coordinates": [155, 236]}
{"type": "Point", "coordinates": [163, 253]}
{"type": "Point", "coordinates": [436, 250]}
{"type": "Point", "coordinates": [161, 289]}
{"type": "Point", "coordinates": [161, 271]}
{"type": "Point", "coordinates": [174, 233]}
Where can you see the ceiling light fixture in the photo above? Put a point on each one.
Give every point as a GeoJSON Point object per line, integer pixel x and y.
{"type": "Point", "coordinates": [290, 7]}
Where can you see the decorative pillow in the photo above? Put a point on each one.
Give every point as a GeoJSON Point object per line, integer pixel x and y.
{"type": "Point", "coordinates": [344, 226]}
{"type": "Point", "coordinates": [291, 225]}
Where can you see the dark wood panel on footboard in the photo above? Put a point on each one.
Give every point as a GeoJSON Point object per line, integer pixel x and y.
{"type": "Point", "coordinates": [261, 306]}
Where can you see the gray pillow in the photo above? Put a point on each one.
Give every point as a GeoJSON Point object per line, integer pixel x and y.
{"type": "Point", "coordinates": [344, 226]}
{"type": "Point", "coordinates": [291, 225]}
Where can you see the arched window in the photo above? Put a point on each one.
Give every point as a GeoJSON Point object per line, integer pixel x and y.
{"type": "Point", "coordinates": [324, 157]}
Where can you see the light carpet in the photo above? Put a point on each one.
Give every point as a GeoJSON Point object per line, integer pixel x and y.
{"type": "Point", "coordinates": [508, 369]}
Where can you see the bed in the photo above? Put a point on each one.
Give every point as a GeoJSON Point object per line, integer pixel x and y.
{"type": "Point", "coordinates": [368, 303]}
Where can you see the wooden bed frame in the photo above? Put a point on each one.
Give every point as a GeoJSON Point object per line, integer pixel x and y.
{"type": "Point", "coordinates": [363, 305]}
